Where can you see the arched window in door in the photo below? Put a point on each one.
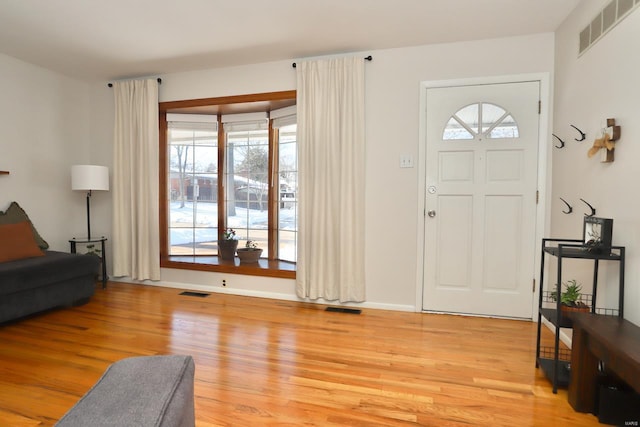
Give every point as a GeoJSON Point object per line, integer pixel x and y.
{"type": "Point", "coordinates": [479, 121]}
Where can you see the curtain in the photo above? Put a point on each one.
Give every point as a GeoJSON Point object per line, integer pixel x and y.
{"type": "Point", "coordinates": [330, 105]}
{"type": "Point", "coordinates": [136, 245]}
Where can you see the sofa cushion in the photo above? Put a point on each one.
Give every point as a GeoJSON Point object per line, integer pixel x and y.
{"type": "Point", "coordinates": [17, 242]}
{"type": "Point", "coordinates": [29, 273]}
{"type": "Point", "coordinates": [15, 213]}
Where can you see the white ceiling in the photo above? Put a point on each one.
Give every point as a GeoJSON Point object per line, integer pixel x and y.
{"type": "Point", "coordinates": [101, 40]}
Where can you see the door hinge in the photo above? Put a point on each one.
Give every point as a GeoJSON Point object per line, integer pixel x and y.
{"type": "Point", "coordinates": [533, 288]}
{"type": "Point", "coordinates": [539, 107]}
{"type": "Point", "coordinates": [537, 196]}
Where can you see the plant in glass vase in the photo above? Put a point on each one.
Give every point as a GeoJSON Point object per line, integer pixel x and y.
{"type": "Point", "coordinates": [250, 253]}
{"type": "Point", "coordinates": [227, 246]}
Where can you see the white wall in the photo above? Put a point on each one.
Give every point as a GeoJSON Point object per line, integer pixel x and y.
{"type": "Point", "coordinates": [393, 121]}
{"type": "Point", "coordinates": [601, 84]}
{"type": "Point", "coordinates": [393, 117]}
{"type": "Point", "coordinates": [44, 118]}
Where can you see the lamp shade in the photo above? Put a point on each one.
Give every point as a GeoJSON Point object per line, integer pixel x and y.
{"type": "Point", "coordinates": [89, 177]}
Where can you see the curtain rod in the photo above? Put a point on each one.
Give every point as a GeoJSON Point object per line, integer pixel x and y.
{"type": "Point", "coordinates": [368, 58]}
{"type": "Point", "coordinates": [159, 82]}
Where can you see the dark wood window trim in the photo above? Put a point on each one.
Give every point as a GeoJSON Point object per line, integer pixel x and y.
{"type": "Point", "coordinates": [223, 105]}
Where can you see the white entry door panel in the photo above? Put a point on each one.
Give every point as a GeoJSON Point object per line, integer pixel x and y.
{"type": "Point", "coordinates": [481, 174]}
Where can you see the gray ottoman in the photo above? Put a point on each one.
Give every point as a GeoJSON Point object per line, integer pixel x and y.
{"type": "Point", "coordinates": [139, 391]}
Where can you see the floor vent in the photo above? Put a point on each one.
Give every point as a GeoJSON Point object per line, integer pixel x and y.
{"type": "Point", "coordinates": [194, 294]}
{"type": "Point", "coordinates": [343, 310]}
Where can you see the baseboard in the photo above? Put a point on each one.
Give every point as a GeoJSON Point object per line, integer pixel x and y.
{"type": "Point", "coordinates": [262, 294]}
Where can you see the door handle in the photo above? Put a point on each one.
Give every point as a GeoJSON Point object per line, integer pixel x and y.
{"type": "Point", "coordinates": [431, 213]}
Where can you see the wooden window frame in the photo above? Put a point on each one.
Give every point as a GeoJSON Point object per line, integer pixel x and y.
{"type": "Point", "coordinates": [270, 267]}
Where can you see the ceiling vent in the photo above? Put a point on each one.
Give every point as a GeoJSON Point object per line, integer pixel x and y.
{"type": "Point", "coordinates": [605, 20]}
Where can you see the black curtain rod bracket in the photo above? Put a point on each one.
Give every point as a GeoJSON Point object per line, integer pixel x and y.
{"type": "Point", "coordinates": [368, 58]}
{"type": "Point", "coordinates": [159, 82]}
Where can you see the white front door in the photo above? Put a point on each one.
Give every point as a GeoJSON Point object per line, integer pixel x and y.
{"type": "Point", "coordinates": [481, 174]}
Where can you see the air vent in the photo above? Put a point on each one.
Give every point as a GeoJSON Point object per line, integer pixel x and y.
{"type": "Point", "coordinates": [609, 16]}
{"type": "Point", "coordinates": [596, 28]}
{"type": "Point", "coordinates": [194, 294]}
{"type": "Point", "coordinates": [624, 7]}
{"type": "Point", "coordinates": [343, 310]}
{"type": "Point", "coordinates": [605, 20]}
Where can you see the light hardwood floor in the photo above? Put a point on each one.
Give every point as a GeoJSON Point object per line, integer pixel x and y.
{"type": "Point", "coordinates": [269, 362]}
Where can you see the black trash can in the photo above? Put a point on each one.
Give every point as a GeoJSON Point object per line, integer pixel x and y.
{"type": "Point", "coordinates": [618, 404]}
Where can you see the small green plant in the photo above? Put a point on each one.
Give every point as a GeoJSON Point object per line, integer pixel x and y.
{"type": "Point", "coordinates": [571, 294]}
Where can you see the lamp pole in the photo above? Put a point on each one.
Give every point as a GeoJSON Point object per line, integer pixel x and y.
{"type": "Point", "coordinates": [88, 215]}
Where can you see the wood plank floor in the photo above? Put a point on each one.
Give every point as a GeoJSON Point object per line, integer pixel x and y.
{"type": "Point", "coordinates": [268, 362]}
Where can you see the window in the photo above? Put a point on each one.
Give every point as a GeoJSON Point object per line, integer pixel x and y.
{"type": "Point", "coordinates": [288, 186]}
{"type": "Point", "coordinates": [229, 163]}
{"type": "Point", "coordinates": [479, 121]}
{"type": "Point", "coordinates": [247, 179]}
{"type": "Point", "coordinates": [192, 178]}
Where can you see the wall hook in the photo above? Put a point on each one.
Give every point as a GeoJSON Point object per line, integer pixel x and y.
{"type": "Point", "coordinates": [561, 141]}
{"type": "Point", "coordinates": [583, 135]}
{"type": "Point", "coordinates": [569, 207]}
{"type": "Point", "coordinates": [593, 210]}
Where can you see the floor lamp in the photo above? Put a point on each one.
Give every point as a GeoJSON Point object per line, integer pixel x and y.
{"type": "Point", "coordinates": [88, 178]}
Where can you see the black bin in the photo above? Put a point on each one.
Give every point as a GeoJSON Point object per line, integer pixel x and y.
{"type": "Point", "coordinates": [618, 405]}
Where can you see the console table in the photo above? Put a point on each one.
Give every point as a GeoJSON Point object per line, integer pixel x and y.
{"type": "Point", "coordinates": [612, 340]}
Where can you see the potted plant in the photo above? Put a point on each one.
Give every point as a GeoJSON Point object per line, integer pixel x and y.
{"type": "Point", "coordinates": [250, 253]}
{"type": "Point", "coordinates": [227, 246]}
{"type": "Point", "coordinates": [570, 297]}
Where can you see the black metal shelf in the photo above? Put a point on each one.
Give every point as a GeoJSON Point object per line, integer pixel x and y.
{"type": "Point", "coordinates": [554, 361]}
{"type": "Point", "coordinates": [551, 314]}
{"type": "Point", "coordinates": [564, 371]}
{"type": "Point", "coordinates": [583, 252]}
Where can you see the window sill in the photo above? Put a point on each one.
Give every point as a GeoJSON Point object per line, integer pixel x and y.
{"type": "Point", "coordinates": [264, 267]}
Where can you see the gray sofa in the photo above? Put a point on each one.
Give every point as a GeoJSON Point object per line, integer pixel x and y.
{"type": "Point", "coordinates": [57, 279]}
{"type": "Point", "coordinates": [148, 391]}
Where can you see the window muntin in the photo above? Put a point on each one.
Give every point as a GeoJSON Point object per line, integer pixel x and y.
{"type": "Point", "coordinates": [506, 128]}
{"type": "Point", "coordinates": [480, 120]}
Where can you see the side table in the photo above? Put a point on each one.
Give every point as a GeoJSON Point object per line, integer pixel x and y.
{"type": "Point", "coordinates": [103, 255]}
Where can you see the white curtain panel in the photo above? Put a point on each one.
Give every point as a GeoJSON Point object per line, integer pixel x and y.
{"type": "Point", "coordinates": [331, 160]}
{"type": "Point", "coordinates": [136, 245]}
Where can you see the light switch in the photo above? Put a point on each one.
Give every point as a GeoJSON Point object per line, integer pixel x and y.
{"type": "Point", "coordinates": [406, 161]}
